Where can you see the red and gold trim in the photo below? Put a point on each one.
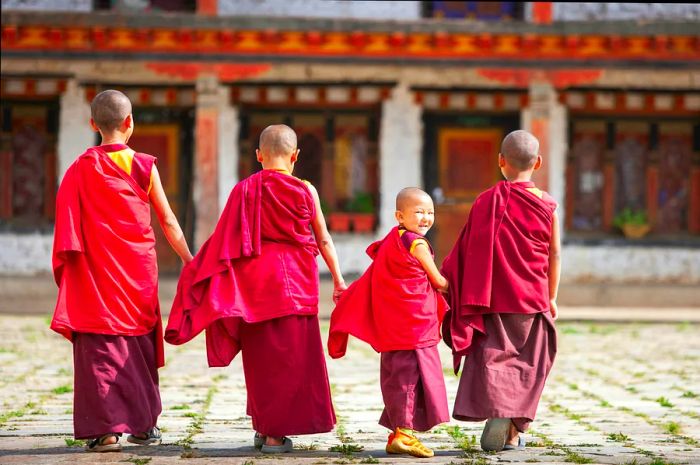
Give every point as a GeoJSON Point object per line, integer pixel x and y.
{"type": "Point", "coordinates": [365, 45]}
{"type": "Point", "coordinates": [481, 100]}
{"type": "Point", "coordinates": [150, 96]}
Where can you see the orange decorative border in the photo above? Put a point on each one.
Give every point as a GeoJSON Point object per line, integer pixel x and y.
{"type": "Point", "coordinates": [357, 44]}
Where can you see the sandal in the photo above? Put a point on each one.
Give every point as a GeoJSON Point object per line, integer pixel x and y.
{"type": "Point", "coordinates": [402, 443]}
{"type": "Point", "coordinates": [286, 446]}
{"type": "Point", "coordinates": [519, 446]}
{"type": "Point", "coordinates": [258, 440]}
{"type": "Point", "coordinates": [153, 438]}
{"type": "Point", "coordinates": [495, 433]}
{"type": "Point", "coordinates": [98, 445]}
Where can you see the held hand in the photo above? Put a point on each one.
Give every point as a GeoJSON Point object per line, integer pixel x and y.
{"type": "Point", "coordinates": [338, 290]}
{"type": "Point", "coordinates": [553, 309]}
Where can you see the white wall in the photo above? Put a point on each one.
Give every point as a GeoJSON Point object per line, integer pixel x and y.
{"type": "Point", "coordinates": [74, 132]}
{"type": "Point", "coordinates": [400, 146]}
{"type": "Point", "coordinates": [47, 5]}
{"type": "Point", "coordinates": [577, 11]}
{"type": "Point", "coordinates": [229, 127]}
{"type": "Point", "coordinates": [382, 10]}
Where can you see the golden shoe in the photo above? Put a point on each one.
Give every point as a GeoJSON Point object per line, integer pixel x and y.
{"type": "Point", "coordinates": [402, 443]}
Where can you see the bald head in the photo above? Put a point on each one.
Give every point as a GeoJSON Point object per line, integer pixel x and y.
{"type": "Point", "coordinates": [410, 195]}
{"type": "Point", "coordinates": [278, 140]}
{"type": "Point", "coordinates": [109, 109]}
{"type": "Point", "coordinates": [520, 149]}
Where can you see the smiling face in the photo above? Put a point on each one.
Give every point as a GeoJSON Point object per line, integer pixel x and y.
{"type": "Point", "coordinates": [416, 213]}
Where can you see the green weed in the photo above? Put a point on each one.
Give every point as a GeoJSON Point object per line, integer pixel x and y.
{"type": "Point", "coordinates": [664, 402]}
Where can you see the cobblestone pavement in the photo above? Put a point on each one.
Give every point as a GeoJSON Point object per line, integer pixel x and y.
{"type": "Point", "coordinates": [618, 394]}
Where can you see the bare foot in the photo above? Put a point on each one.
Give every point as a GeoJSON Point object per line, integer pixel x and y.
{"type": "Point", "coordinates": [270, 441]}
{"type": "Point", "coordinates": [513, 435]}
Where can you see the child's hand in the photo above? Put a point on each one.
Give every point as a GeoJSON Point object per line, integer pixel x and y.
{"type": "Point", "coordinates": [444, 288]}
{"type": "Point", "coordinates": [553, 309]}
{"type": "Point", "coordinates": [338, 290]}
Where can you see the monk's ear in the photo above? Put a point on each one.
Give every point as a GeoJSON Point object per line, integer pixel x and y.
{"type": "Point", "coordinates": [258, 155]}
{"type": "Point", "coordinates": [128, 122]}
{"type": "Point", "coordinates": [501, 160]}
{"type": "Point", "coordinates": [399, 216]}
{"type": "Point", "coordinates": [538, 163]}
{"type": "Point", "coordinates": [94, 126]}
{"type": "Point", "coordinates": [295, 156]}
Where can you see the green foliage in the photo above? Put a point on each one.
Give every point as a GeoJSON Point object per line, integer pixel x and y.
{"type": "Point", "coordinates": [618, 437]}
{"type": "Point", "coordinates": [369, 459]}
{"type": "Point", "coordinates": [70, 442]}
{"type": "Point", "coordinates": [62, 389]}
{"type": "Point", "coordinates": [689, 395]}
{"type": "Point", "coordinates": [574, 457]}
{"type": "Point", "coordinates": [664, 402]}
{"type": "Point", "coordinates": [361, 203]}
{"type": "Point", "coordinates": [138, 461]}
{"type": "Point", "coordinates": [630, 216]}
{"type": "Point", "coordinates": [672, 427]}
{"type": "Point", "coordinates": [347, 449]}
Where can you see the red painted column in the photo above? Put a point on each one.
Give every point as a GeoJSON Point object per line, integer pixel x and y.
{"type": "Point", "coordinates": [652, 193]}
{"type": "Point", "coordinates": [205, 189]}
{"type": "Point", "coordinates": [207, 7]}
{"type": "Point", "coordinates": [542, 12]}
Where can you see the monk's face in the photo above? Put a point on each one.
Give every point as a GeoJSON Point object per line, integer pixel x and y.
{"type": "Point", "coordinates": [417, 215]}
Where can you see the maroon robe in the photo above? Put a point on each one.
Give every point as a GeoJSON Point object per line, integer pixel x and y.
{"type": "Point", "coordinates": [253, 286]}
{"type": "Point", "coordinates": [499, 292]}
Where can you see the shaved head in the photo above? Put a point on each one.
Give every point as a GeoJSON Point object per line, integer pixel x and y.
{"type": "Point", "coordinates": [109, 109]}
{"type": "Point", "coordinates": [278, 140]}
{"type": "Point", "coordinates": [520, 149]}
{"type": "Point", "coordinates": [408, 196]}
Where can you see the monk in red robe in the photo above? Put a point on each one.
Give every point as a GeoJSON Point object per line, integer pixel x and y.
{"type": "Point", "coordinates": [104, 263]}
{"type": "Point", "coordinates": [395, 306]}
{"type": "Point", "coordinates": [504, 275]}
{"type": "Point", "coordinates": [253, 287]}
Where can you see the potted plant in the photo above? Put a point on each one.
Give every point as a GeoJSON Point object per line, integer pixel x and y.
{"type": "Point", "coordinates": [633, 223]}
{"type": "Point", "coordinates": [337, 221]}
{"type": "Point", "coordinates": [362, 212]}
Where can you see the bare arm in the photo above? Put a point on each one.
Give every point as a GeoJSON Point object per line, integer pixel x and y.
{"type": "Point", "coordinates": [554, 266]}
{"type": "Point", "coordinates": [422, 253]}
{"type": "Point", "coordinates": [326, 246]}
{"type": "Point", "coordinates": [167, 219]}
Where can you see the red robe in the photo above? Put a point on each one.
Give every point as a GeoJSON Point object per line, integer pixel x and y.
{"type": "Point", "coordinates": [104, 258]}
{"type": "Point", "coordinates": [259, 264]}
{"type": "Point", "coordinates": [500, 261]}
{"type": "Point", "coordinates": [392, 306]}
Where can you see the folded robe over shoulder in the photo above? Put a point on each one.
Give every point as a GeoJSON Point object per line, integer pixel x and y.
{"type": "Point", "coordinates": [104, 258]}
{"type": "Point", "coordinates": [392, 306]}
{"type": "Point", "coordinates": [259, 264]}
{"type": "Point", "coordinates": [500, 261]}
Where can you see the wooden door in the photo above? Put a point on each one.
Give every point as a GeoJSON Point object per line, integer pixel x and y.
{"type": "Point", "coordinates": [467, 160]}
{"type": "Point", "coordinates": [162, 141]}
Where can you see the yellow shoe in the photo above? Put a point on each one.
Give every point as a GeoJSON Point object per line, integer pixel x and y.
{"type": "Point", "coordinates": [402, 443]}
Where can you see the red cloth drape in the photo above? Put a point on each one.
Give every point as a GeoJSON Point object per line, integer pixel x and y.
{"type": "Point", "coordinates": [500, 261]}
{"type": "Point", "coordinates": [392, 306]}
{"type": "Point", "coordinates": [104, 258]}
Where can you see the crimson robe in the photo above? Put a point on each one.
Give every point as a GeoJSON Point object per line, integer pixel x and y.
{"type": "Point", "coordinates": [500, 261]}
{"type": "Point", "coordinates": [259, 264]}
{"type": "Point", "coordinates": [104, 258]}
{"type": "Point", "coordinates": [392, 306]}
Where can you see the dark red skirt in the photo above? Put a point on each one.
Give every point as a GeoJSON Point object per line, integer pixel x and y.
{"type": "Point", "coordinates": [286, 376]}
{"type": "Point", "coordinates": [505, 374]}
{"type": "Point", "coordinates": [115, 384]}
{"type": "Point", "coordinates": [413, 389]}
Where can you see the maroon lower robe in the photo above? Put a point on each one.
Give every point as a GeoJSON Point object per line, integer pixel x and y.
{"type": "Point", "coordinates": [115, 384]}
{"type": "Point", "coordinates": [413, 389]}
{"type": "Point", "coordinates": [280, 404]}
{"type": "Point", "coordinates": [505, 374]}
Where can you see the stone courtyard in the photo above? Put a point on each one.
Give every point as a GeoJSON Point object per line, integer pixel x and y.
{"type": "Point", "coordinates": [620, 393]}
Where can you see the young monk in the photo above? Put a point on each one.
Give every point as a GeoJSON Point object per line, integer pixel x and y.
{"type": "Point", "coordinates": [253, 287]}
{"type": "Point", "coordinates": [104, 263]}
{"type": "Point", "coordinates": [395, 307]}
{"type": "Point", "coordinates": [504, 275]}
